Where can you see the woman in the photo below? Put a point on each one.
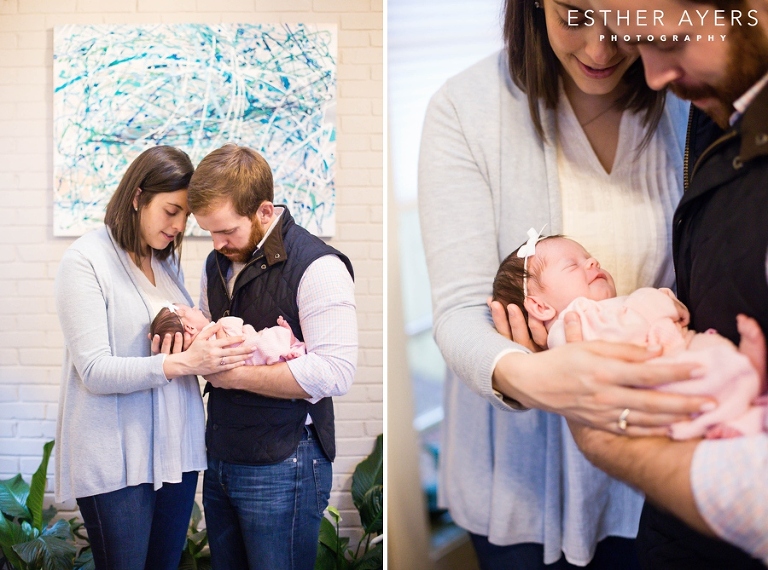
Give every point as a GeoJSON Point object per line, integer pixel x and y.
{"type": "Point", "coordinates": [558, 129]}
{"type": "Point", "coordinates": [130, 435]}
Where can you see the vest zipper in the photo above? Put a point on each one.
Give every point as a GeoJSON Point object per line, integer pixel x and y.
{"type": "Point", "coordinates": [687, 155]}
{"type": "Point", "coordinates": [224, 281]}
{"type": "Point", "coordinates": [726, 137]}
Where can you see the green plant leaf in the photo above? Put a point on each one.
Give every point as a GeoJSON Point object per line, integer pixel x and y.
{"type": "Point", "coordinates": [187, 561]}
{"type": "Point", "coordinates": [48, 515]}
{"type": "Point", "coordinates": [328, 536]}
{"type": "Point", "coordinates": [372, 510]}
{"type": "Point", "coordinates": [330, 560]}
{"type": "Point", "coordinates": [197, 516]}
{"type": "Point", "coordinates": [37, 488]}
{"type": "Point", "coordinates": [326, 558]}
{"type": "Point", "coordinates": [369, 472]}
{"type": "Point", "coordinates": [85, 560]}
{"type": "Point", "coordinates": [11, 533]}
{"type": "Point", "coordinates": [335, 514]}
{"type": "Point", "coordinates": [371, 560]}
{"type": "Point", "coordinates": [13, 497]}
{"type": "Point", "coordinates": [60, 529]}
{"type": "Point", "coordinates": [51, 550]}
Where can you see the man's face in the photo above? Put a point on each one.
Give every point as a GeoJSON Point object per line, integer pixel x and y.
{"type": "Point", "coordinates": [233, 235]}
{"type": "Point", "coordinates": [711, 74]}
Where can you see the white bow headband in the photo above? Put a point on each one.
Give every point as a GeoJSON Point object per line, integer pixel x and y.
{"type": "Point", "coordinates": [527, 250]}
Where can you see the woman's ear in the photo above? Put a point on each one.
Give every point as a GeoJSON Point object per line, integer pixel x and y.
{"type": "Point", "coordinates": [539, 309]}
{"type": "Point", "coordinates": [136, 200]}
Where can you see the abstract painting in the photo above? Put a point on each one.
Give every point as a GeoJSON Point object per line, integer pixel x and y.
{"type": "Point", "coordinates": [120, 89]}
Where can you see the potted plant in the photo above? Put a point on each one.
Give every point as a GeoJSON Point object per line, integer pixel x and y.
{"type": "Point", "coordinates": [333, 551]}
{"type": "Point", "coordinates": [27, 540]}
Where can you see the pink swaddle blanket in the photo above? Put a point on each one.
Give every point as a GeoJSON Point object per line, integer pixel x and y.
{"type": "Point", "coordinates": [649, 317]}
{"type": "Point", "coordinates": [269, 345]}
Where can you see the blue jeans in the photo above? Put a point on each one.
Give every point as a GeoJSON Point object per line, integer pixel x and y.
{"type": "Point", "coordinates": [267, 516]}
{"type": "Point", "coordinates": [138, 528]}
{"type": "Point", "coordinates": [611, 553]}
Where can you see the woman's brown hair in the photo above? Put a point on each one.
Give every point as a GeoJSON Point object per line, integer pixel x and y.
{"type": "Point", "coordinates": [535, 69]}
{"type": "Point", "coordinates": [155, 171]}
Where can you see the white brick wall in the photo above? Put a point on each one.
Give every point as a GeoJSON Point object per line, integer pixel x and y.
{"type": "Point", "coordinates": [31, 344]}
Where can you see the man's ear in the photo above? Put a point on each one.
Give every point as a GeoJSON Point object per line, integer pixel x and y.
{"type": "Point", "coordinates": [539, 309]}
{"type": "Point", "coordinates": [265, 212]}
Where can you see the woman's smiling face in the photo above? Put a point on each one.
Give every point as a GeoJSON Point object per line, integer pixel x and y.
{"type": "Point", "coordinates": [596, 66]}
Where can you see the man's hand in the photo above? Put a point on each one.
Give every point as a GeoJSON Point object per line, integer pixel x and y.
{"type": "Point", "coordinates": [227, 379]}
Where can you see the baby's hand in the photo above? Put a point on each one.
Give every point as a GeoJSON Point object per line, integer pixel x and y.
{"type": "Point", "coordinates": [684, 317]}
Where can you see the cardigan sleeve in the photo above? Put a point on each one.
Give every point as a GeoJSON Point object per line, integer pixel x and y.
{"type": "Point", "coordinates": [456, 212]}
{"type": "Point", "coordinates": [81, 303]}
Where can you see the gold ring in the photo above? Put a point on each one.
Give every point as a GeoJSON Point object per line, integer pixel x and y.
{"type": "Point", "coordinates": [623, 419]}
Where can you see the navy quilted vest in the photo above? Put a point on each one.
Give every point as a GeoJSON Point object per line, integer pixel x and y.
{"type": "Point", "coordinates": [244, 427]}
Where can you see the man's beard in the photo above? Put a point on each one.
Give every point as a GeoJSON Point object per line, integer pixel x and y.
{"type": "Point", "coordinates": [243, 254]}
{"type": "Point", "coordinates": [747, 63]}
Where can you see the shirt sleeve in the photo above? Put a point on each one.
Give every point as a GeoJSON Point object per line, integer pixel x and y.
{"type": "Point", "coordinates": [459, 231]}
{"type": "Point", "coordinates": [328, 318]}
{"type": "Point", "coordinates": [86, 323]}
{"type": "Point", "coordinates": [729, 478]}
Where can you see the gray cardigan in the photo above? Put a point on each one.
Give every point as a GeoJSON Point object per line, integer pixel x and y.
{"type": "Point", "coordinates": [484, 179]}
{"type": "Point", "coordinates": [106, 437]}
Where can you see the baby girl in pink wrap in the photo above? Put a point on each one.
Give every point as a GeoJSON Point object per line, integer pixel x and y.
{"type": "Point", "coordinates": [268, 346]}
{"type": "Point", "coordinates": [553, 276]}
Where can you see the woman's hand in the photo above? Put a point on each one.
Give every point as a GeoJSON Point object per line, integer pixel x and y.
{"type": "Point", "coordinates": [594, 382]}
{"type": "Point", "coordinates": [206, 355]}
{"type": "Point", "coordinates": [511, 324]}
{"type": "Point", "coordinates": [168, 345]}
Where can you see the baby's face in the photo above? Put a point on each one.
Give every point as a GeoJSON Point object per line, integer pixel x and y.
{"type": "Point", "coordinates": [193, 320]}
{"type": "Point", "coordinates": [567, 271]}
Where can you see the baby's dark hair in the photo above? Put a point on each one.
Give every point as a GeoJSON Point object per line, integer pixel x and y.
{"type": "Point", "coordinates": [508, 283]}
{"type": "Point", "coordinates": [166, 322]}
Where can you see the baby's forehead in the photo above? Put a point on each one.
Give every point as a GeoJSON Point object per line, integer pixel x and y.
{"type": "Point", "coordinates": [556, 248]}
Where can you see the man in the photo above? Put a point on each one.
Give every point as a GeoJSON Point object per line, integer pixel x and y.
{"type": "Point", "coordinates": [270, 429]}
{"type": "Point", "coordinates": [719, 488]}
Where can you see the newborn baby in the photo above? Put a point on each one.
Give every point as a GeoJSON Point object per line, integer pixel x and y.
{"type": "Point", "coordinates": [559, 276]}
{"type": "Point", "coordinates": [268, 346]}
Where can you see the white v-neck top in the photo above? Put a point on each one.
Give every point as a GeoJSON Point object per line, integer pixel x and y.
{"type": "Point", "coordinates": [180, 442]}
{"type": "Point", "coordinates": [620, 217]}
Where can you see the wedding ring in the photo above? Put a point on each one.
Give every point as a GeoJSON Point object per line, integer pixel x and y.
{"type": "Point", "coordinates": [222, 363]}
{"type": "Point", "coordinates": [623, 419]}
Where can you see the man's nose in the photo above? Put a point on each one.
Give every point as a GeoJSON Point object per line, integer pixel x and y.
{"type": "Point", "coordinates": [660, 69]}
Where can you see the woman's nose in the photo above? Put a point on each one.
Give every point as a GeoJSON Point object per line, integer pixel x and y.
{"type": "Point", "coordinates": [600, 51]}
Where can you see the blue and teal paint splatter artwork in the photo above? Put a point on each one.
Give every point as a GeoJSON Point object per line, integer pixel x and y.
{"type": "Point", "coordinates": [120, 89]}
